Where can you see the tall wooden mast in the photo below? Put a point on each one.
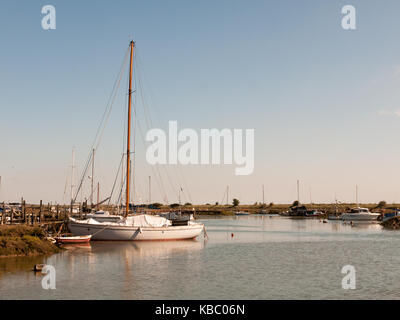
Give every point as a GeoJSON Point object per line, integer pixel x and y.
{"type": "Point", "coordinates": [128, 143]}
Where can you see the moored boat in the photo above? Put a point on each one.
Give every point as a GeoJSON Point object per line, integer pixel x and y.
{"type": "Point", "coordinates": [103, 216]}
{"type": "Point", "coordinates": [314, 213]}
{"type": "Point", "coordinates": [102, 226]}
{"type": "Point", "coordinates": [360, 214]}
{"type": "Point", "coordinates": [73, 239]}
{"type": "Point", "coordinates": [242, 213]}
{"type": "Point", "coordinates": [390, 215]}
{"type": "Point", "coordinates": [136, 228]}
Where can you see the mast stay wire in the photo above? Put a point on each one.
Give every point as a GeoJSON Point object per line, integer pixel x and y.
{"type": "Point", "coordinates": [156, 168]}
{"type": "Point", "coordinates": [149, 123]}
{"type": "Point", "coordinates": [103, 122]}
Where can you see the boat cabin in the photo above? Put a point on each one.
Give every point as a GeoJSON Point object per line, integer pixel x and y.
{"type": "Point", "coordinates": [359, 210]}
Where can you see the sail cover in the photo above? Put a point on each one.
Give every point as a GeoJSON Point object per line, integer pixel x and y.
{"type": "Point", "coordinates": [145, 220]}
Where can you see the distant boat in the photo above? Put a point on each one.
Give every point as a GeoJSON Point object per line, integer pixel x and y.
{"type": "Point", "coordinates": [73, 239]}
{"type": "Point", "coordinates": [314, 213]}
{"type": "Point", "coordinates": [242, 213]}
{"type": "Point", "coordinates": [104, 216]}
{"type": "Point", "coordinates": [391, 215]}
{"type": "Point", "coordinates": [177, 216]}
{"type": "Point", "coordinates": [298, 211]}
{"type": "Point", "coordinates": [360, 214]}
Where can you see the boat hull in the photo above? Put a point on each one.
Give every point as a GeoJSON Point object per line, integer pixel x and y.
{"type": "Point", "coordinates": [360, 217]}
{"type": "Point", "coordinates": [131, 233]}
{"type": "Point", "coordinates": [77, 239]}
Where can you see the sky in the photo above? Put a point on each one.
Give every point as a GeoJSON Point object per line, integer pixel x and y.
{"type": "Point", "coordinates": [323, 101]}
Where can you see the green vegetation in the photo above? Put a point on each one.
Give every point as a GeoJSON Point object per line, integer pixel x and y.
{"type": "Point", "coordinates": [235, 202]}
{"type": "Point", "coordinates": [20, 240]}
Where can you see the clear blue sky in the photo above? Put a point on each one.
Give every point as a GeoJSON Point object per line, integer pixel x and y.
{"type": "Point", "coordinates": [322, 100]}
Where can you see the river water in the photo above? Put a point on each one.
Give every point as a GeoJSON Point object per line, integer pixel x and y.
{"type": "Point", "coordinates": [246, 257]}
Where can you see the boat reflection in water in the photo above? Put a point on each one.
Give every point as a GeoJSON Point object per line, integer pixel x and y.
{"type": "Point", "coordinates": [367, 225]}
{"type": "Point", "coordinates": [72, 246]}
{"type": "Point", "coordinates": [154, 249]}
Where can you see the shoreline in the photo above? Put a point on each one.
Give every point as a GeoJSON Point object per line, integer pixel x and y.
{"type": "Point", "coordinates": [24, 241]}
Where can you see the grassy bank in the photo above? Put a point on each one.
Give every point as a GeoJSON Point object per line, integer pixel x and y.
{"type": "Point", "coordinates": [20, 240]}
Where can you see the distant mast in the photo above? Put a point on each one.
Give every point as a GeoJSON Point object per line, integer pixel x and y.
{"type": "Point", "coordinates": [298, 193]}
{"type": "Point", "coordinates": [149, 190]}
{"type": "Point", "coordinates": [357, 196]}
{"type": "Point", "coordinates": [91, 186]}
{"type": "Point", "coordinates": [263, 194]}
{"type": "Point", "coordinates": [128, 142]}
{"type": "Point", "coordinates": [72, 173]}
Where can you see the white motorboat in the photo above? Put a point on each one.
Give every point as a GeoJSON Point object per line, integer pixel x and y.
{"type": "Point", "coordinates": [360, 214]}
{"type": "Point", "coordinates": [135, 228]}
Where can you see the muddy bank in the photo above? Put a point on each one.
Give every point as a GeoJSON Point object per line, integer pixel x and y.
{"type": "Point", "coordinates": [393, 223]}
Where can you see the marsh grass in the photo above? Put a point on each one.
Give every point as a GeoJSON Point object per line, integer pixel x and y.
{"type": "Point", "coordinates": [20, 240]}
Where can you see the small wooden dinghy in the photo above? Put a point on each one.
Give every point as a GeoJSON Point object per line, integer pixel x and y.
{"type": "Point", "coordinates": [73, 239]}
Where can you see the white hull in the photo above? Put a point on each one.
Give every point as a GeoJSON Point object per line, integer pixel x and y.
{"type": "Point", "coordinates": [132, 233]}
{"type": "Point", "coordinates": [360, 216]}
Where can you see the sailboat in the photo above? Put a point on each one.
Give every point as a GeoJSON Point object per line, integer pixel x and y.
{"type": "Point", "coordinates": [138, 226]}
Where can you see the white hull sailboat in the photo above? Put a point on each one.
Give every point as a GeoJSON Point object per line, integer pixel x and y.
{"type": "Point", "coordinates": [137, 226]}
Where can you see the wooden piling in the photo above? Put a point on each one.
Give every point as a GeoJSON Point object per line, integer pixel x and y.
{"type": "Point", "coordinates": [3, 213]}
{"type": "Point", "coordinates": [23, 212]}
{"type": "Point", "coordinates": [40, 211]}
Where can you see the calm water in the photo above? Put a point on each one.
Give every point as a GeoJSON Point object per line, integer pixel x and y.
{"type": "Point", "coordinates": [267, 258]}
